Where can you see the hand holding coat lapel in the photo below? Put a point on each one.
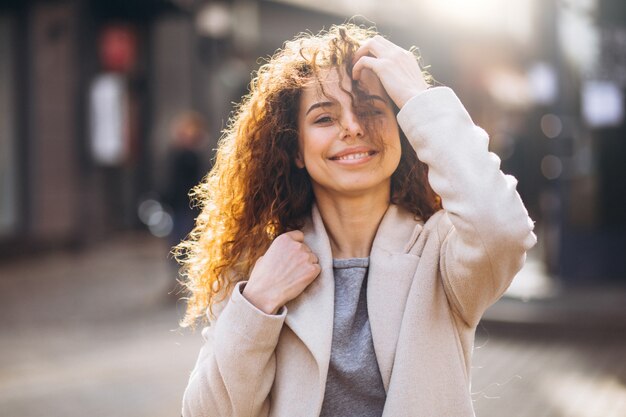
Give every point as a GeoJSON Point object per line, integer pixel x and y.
{"type": "Point", "coordinates": [310, 315]}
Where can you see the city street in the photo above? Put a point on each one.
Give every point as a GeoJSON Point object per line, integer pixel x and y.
{"type": "Point", "coordinates": [111, 111]}
{"type": "Point", "coordinates": [93, 333]}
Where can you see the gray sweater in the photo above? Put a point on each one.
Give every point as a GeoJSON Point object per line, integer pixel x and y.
{"type": "Point", "coordinates": [354, 386]}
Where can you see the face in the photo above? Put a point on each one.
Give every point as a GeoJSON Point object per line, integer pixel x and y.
{"type": "Point", "coordinates": [339, 153]}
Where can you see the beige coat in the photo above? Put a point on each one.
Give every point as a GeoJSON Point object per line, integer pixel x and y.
{"type": "Point", "coordinates": [428, 285]}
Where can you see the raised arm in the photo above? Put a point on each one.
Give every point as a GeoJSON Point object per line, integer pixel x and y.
{"type": "Point", "coordinates": [485, 230]}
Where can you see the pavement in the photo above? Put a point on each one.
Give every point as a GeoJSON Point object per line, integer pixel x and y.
{"type": "Point", "coordinates": [94, 333]}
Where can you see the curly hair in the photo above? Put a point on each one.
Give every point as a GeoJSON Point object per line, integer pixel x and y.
{"type": "Point", "coordinates": [255, 191]}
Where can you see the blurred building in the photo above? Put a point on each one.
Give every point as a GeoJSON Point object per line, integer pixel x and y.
{"type": "Point", "coordinates": [89, 88]}
{"type": "Point", "coordinates": [76, 86]}
{"type": "Point", "coordinates": [88, 92]}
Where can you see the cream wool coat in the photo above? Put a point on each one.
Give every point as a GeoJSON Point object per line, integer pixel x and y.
{"type": "Point", "coordinates": [428, 285]}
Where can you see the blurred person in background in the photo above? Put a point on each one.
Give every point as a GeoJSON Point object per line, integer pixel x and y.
{"type": "Point", "coordinates": [353, 231]}
{"type": "Point", "coordinates": [185, 169]}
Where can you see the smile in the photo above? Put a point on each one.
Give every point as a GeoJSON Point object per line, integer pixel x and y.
{"type": "Point", "coordinates": [353, 156]}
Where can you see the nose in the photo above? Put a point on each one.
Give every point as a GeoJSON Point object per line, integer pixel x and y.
{"type": "Point", "coordinates": [352, 127]}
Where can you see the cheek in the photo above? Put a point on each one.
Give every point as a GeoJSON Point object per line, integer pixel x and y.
{"type": "Point", "coordinates": [307, 150]}
{"type": "Point", "coordinates": [314, 144]}
{"type": "Point", "coordinates": [393, 151]}
{"type": "Point", "coordinates": [392, 138]}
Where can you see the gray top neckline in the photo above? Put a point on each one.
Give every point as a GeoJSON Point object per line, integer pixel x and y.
{"type": "Point", "coordinates": [351, 263]}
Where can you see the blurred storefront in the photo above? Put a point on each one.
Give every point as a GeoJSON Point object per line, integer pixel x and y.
{"type": "Point", "coordinates": [88, 91]}
{"type": "Point", "coordinates": [88, 94]}
{"type": "Point", "coordinates": [61, 183]}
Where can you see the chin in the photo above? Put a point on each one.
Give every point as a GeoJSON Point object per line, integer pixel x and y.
{"type": "Point", "coordinates": [362, 188]}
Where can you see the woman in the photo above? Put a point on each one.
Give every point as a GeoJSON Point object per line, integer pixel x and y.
{"type": "Point", "coordinates": [336, 283]}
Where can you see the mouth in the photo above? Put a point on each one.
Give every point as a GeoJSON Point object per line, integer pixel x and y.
{"type": "Point", "coordinates": [352, 156]}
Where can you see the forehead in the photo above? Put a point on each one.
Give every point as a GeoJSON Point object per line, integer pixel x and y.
{"type": "Point", "coordinates": [336, 84]}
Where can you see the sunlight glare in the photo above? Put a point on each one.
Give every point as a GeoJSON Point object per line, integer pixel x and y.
{"type": "Point", "coordinates": [492, 16]}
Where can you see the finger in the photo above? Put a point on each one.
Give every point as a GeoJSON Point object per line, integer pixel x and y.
{"type": "Point", "coordinates": [313, 257]}
{"type": "Point", "coordinates": [373, 47]}
{"type": "Point", "coordinates": [318, 270]}
{"type": "Point", "coordinates": [296, 235]}
{"type": "Point", "coordinates": [365, 62]}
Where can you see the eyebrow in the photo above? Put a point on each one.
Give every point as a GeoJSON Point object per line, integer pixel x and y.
{"type": "Point", "coordinates": [375, 97]}
{"type": "Point", "coordinates": [320, 104]}
{"type": "Point", "coordinates": [332, 103]}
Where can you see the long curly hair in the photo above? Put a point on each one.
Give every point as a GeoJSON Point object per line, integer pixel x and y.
{"type": "Point", "coordinates": [255, 191]}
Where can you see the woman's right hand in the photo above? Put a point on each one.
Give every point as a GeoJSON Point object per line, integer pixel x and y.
{"type": "Point", "coordinates": [280, 275]}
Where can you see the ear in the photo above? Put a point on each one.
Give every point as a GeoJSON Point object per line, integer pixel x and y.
{"type": "Point", "coordinates": [299, 160]}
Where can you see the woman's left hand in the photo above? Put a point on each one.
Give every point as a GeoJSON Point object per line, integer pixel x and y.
{"type": "Point", "coordinates": [396, 68]}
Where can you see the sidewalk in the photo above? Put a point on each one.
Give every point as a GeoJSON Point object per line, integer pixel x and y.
{"type": "Point", "coordinates": [93, 333]}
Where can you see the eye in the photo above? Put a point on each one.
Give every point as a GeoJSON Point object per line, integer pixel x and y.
{"type": "Point", "coordinates": [323, 120]}
{"type": "Point", "coordinates": [371, 113]}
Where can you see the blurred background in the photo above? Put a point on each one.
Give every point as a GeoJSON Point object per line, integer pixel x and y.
{"type": "Point", "coordinates": [110, 109]}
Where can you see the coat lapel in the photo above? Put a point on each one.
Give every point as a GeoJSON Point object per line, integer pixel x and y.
{"type": "Point", "coordinates": [390, 276]}
{"type": "Point", "coordinates": [310, 316]}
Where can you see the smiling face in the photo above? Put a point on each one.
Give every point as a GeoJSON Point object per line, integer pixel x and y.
{"type": "Point", "coordinates": [349, 145]}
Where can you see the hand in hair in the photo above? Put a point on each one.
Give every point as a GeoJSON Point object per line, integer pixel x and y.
{"type": "Point", "coordinates": [397, 68]}
{"type": "Point", "coordinates": [280, 275]}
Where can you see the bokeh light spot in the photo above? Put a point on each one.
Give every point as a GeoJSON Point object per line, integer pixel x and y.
{"type": "Point", "coordinates": [551, 167]}
{"type": "Point", "coordinates": [551, 125]}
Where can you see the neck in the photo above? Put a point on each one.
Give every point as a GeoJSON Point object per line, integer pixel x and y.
{"type": "Point", "coordinates": [352, 222]}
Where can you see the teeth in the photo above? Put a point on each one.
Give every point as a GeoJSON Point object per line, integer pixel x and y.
{"type": "Point", "coordinates": [354, 156]}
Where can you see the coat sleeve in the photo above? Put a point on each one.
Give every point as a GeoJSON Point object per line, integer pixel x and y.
{"type": "Point", "coordinates": [237, 364]}
{"type": "Point", "coordinates": [485, 230]}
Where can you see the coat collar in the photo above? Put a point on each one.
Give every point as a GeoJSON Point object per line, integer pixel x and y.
{"type": "Point", "coordinates": [390, 276]}
{"type": "Point", "coordinates": [310, 315]}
